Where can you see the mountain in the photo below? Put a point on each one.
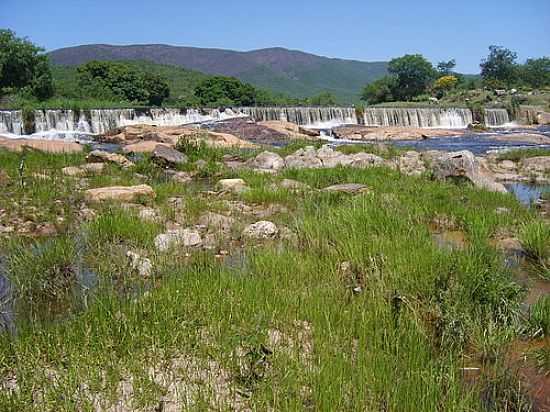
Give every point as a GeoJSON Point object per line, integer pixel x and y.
{"type": "Point", "coordinates": [294, 73]}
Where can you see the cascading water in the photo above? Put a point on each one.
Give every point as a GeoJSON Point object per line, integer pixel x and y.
{"type": "Point", "coordinates": [317, 117]}
{"type": "Point", "coordinates": [11, 121]}
{"type": "Point", "coordinates": [496, 117]}
{"type": "Point", "coordinates": [52, 123]}
{"type": "Point", "coordinates": [434, 118]}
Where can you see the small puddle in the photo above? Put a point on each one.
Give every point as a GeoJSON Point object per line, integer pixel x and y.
{"type": "Point", "coordinates": [527, 193]}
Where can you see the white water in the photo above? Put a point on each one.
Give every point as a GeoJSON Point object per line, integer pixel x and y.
{"type": "Point", "coordinates": [312, 117]}
{"type": "Point", "coordinates": [498, 118]}
{"type": "Point", "coordinates": [428, 118]}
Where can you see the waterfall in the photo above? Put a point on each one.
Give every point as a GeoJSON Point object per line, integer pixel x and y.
{"type": "Point", "coordinates": [11, 121]}
{"type": "Point", "coordinates": [434, 118]}
{"type": "Point", "coordinates": [496, 117]}
{"type": "Point", "coordinates": [317, 117]}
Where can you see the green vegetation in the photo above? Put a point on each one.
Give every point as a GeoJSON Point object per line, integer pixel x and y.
{"type": "Point", "coordinates": [540, 316]}
{"type": "Point", "coordinates": [518, 154]}
{"type": "Point", "coordinates": [219, 91]}
{"type": "Point", "coordinates": [357, 309]}
{"type": "Point", "coordinates": [535, 239]}
{"type": "Point", "coordinates": [117, 81]}
{"type": "Point", "coordinates": [23, 68]}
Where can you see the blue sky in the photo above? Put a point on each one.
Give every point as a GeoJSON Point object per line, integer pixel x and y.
{"type": "Point", "coordinates": [360, 29]}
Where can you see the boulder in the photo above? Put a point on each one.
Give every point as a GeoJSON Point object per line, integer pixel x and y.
{"type": "Point", "coordinates": [261, 230]}
{"type": "Point", "coordinates": [168, 157]}
{"type": "Point", "coordinates": [463, 164]}
{"type": "Point", "coordinates": [217, 222]}
{"type": "Point", "coordinates": [181, 237]}
{"type": "Point", "coordinates": [411, 164]}
{"type": "Point", "coordinates": [84, 170]}
{"type": "Point", "coordinates": [330, 158]}
{"type": "Point", "coordinates": [268, 161]}
{"type": "Point", "coordinates": [364, 160]}
{"type": "Point", "coordinates": [236, 186]}
{"type": "Point", "coordinates": [305, 158]}
{"type": "Point", "coordinates": [101, 156]}
{"type": "Point", "coordinates": [119, 193]}
{"type": "Point", "coordinates": [351, 188]}
{"type": "Point", "coordinates": [536, 165]}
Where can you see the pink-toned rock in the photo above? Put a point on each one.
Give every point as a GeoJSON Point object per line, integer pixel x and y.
{"type": "Point", "coordinates": [147, 146]}
{"type": "Point", "coordinates": [48, 146]}
{"type": "Point", "coordinates": [120, 193]}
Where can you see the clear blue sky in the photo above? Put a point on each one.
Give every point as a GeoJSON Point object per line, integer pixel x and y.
{"type": "Point", "coordinates": [360, 29]}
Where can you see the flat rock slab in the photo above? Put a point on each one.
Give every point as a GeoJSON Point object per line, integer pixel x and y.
{"type": "Point", "coordinates": [84, 170]}
{"type": "Point", "coordinates": [120, 193]}
{"type": "Point", "coordinates": [351, 188]}
{"type": "Point", "coordinates": [147, 146]}
{"type": "Point", "coordinates": [47, 146]}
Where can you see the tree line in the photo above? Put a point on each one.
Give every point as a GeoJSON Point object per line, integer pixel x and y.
{"type": "Point", "coordinates": [413, 75]}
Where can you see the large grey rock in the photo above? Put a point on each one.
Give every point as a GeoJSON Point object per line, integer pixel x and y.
{"type": "Point", "coordinates": [330, 158]}
{"type": "Point", "coordinates": [100, 156]}
{"type": "Point", "coordinates": [182, 237]}
{"type": "Point", "coordinates": [268, 161]}
{"type": "Point", "coordinates": [352, 188]}
{"type": "Point", "coordinates": [261, 230]}
{"type": "Point", "coordinates": [166, 156]}
{"type": "Point", "coordinates": [464, 164]}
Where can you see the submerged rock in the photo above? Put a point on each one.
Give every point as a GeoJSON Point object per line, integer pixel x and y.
{"type": "Point", "coordinates": [261, 230]}
{"type": "Point", "coordinates": [120, 193]}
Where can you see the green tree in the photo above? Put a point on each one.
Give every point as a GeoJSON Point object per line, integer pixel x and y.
{"type": "Point", "coordinates": [23, 66]}
{"type": "Point", "coordinates": [413, 75]}
{"type": "Point", "coordinates": [218, 91]}
{"type": "Point", "coordinates": [499, 68]}
{"type": "Point", "coordinates": [446, 68]}
{"type": "Point", "coordinates": [156, 87]}
{"type": "Point", "coordinates": [536, 72]}
{"type": "Point", "coordinates": [445, 84]}
{"type": "Point", "coordinates": [115, 80]}
{"type": "Point", "coordinates": [322, 99]}
{"type": "Point", "coordinates": [380, 91]}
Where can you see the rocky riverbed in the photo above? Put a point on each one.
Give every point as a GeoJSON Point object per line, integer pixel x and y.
{"type": "Point", "coordinates": [192, 268]}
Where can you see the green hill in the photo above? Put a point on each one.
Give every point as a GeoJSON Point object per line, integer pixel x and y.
{"type": "Point", "coordinates": [291, 72]}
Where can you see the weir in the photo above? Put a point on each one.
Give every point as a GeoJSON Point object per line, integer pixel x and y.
{"type": "Point", "coordinates": [419, 117]}
{"type": "Point", "coordinates": [99, 121]}
{"type": "Point", "coordinates": [496, 117]}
